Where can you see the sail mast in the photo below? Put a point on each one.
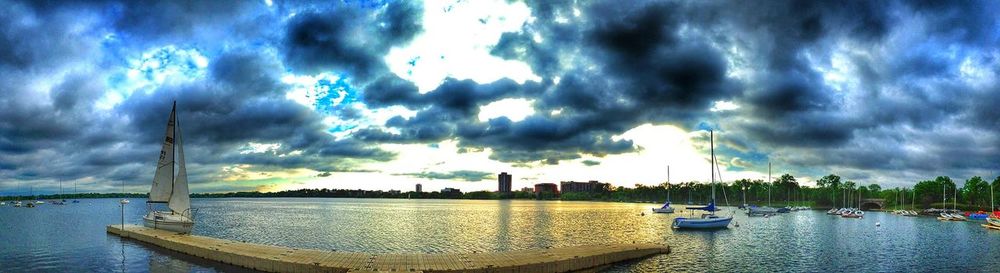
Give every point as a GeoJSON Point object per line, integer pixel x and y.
{"type": "Point", "coordinates": [711, 141]}
{"type": "Point", "coordinates": [173, 117]}
{"type": "Point", "coordinates": [769, 183]}
{"type": "Point", "coordinates": [180, 201]}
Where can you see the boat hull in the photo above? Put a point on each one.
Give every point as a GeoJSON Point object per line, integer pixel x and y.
{"type": "Point", "coordinates": [663, 210]}
{"type": "Point", "coordinates": [706, 223]}
{"type": "Point", "coordinates": [167, 221]}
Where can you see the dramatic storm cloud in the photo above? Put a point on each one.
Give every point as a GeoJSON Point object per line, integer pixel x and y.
{"type": "Point", "coordinates": [278, 95]}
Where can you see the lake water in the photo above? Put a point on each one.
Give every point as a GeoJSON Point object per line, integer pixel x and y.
{"type": "Point", "coordinates": [72, 238]}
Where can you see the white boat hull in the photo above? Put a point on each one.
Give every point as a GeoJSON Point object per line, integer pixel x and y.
{"type": "Point", "coordinates": [703, 223]}
{"type": "Point", "coordinates": [168, 221]}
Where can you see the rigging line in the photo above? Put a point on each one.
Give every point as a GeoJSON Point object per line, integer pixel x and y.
{"type": "Point", "coordinates": [717, 170]}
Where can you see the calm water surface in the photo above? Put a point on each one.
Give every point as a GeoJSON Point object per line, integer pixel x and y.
{"type": "Point", "coordinates": [72, 238]}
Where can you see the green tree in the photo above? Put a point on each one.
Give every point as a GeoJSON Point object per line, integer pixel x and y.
{"type": "Point", "coordinates": [875, 189]}
{"type": "Point", "coordinates": [831, 183]}
{"type": "Point", "coordinates": [975, 189]}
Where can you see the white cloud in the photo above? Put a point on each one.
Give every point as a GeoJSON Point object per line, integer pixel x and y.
{"type": "Point", "coordinates": [257, 148]}
{"type": "Point", "coordinates": [514, 109]}
{"type": "Point", "coordinates": [456, 42]}
{"type": "Point", "coordinates": [724, 106]}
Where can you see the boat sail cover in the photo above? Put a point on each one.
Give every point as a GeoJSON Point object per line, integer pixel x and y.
{"type": "Point", "coordinates": [710, 207]}
{"type": "Point", "coordinates": [180, 201]}
{"type": "Point", "coordinates": [163, 180]}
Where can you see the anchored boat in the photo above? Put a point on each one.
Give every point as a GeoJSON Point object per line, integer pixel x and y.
{"type": "Point", "coordinates": [666, 206]}
{"type": "Point", "coordinates": [707, 220]}
{"type": "Point", "coordinates": [170, 187]}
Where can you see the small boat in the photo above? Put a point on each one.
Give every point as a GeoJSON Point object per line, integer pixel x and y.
{"type": "Point", "coordinates": [957, 217]}
{"type": "Point", "coordinates": [854, 214]}
{"type": "Point", "coordinates": [666, 206]}
{"type": "Point", "coordinates": [832, 211]}
{"type": "Point", "coordinates": [784, 210]}
{"type": "Point", "coordinates": [30, 205]}
{"type": "Point", "coordinates": [3, 203]}
{"type": "Point", "coordinates": [39, 202]}
{"type": "Point", "coordinates": [76, 201]}
{"type": "Point", "coordinates": [17, 204]}
{"type": "Point", "coordinates": [761, 211]}
{"type": "Point", "coordinates": [993, 221]}
{"type": "Point", "coordinates": [664, 209]}
{"type": "Point", "coordinates": [944, 216]}
{"type": "Point", "coordinates": [169, 187]}
{"type": "Point", "coordinates": [707, 220]}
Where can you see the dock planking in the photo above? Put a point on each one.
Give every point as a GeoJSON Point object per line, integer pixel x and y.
{"type": "Point", "coordinates": [286, 259]}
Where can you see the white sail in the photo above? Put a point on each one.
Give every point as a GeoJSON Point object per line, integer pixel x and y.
{"type": "Point", "coordinates": [180, 201]}
{"type": "Point", "coordinates": [163, 180]}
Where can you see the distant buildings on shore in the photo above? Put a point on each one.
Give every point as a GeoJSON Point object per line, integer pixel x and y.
{"type": "Point", "coordinates": [505, 185]}
{"type": "Point", "coordinates": [591, 186]}
{"type": "Point", "coordinates": [542, 189]}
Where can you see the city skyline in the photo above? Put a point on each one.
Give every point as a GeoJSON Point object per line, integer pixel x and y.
{"type": "Point", "coordinates": [373, 95]}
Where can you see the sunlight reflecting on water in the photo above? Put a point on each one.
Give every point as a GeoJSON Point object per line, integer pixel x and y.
{"type": "Point", "coordinates": [72, 237]}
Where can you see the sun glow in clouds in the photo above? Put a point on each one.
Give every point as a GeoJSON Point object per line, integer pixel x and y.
{"type": "Point", "coordinates": [456, 43]}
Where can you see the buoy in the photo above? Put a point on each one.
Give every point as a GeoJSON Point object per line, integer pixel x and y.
{"type": "Point", "coordinates": [877, 224]}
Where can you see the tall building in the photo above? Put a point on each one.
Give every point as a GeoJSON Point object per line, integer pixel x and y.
{"type": "Point", "coordinates": [420, 188]}
{"type": "Point", "coordinates": [504, 182]}
{"type": "Point", "coordinates": [591, 186]}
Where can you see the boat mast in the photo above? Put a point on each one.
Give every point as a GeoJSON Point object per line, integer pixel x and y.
{"type": "Point", "coordinates": [711, 141]}
{"type": "Point", "coordinates": [668, 183]}
{"type": "Point", "coordinates": [173, 150]}
{"type": "Point", "coordinates": [769, 183]}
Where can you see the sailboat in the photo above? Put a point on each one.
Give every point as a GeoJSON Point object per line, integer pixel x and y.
{"type": "Point", "coordinates": [992, 222]}
{"type": "Point", "coordinates": [75, 193]}
{"type": "Point", "coordinates": [666, 206]}
{"type": "Point", "coordinates": [707, 220]}
{"type": "Point", "coordinates": [957, 215]}
{"type": "Point", "coordinates": [169, 187]}
{"type": "Point", "coordinates": [60, 202]}
{"type": "Point", "coordinates": [768, 210]}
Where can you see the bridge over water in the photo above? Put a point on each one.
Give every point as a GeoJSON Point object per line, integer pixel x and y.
{"type": "Point", "coordinates": [873, 204]}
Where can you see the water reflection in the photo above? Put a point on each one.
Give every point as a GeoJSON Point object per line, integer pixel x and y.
{"type": "Point", "coordinates": [72, 237]}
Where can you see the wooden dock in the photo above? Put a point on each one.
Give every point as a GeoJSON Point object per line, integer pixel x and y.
{"type": "Point", "coordinates": [285, 259]}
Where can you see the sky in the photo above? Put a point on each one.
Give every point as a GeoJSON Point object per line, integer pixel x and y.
{"type": "Point", "coordinates": [378, 95]}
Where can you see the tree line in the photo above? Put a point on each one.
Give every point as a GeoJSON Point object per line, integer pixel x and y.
{"type": "Point", "coordinates": [830, 191]}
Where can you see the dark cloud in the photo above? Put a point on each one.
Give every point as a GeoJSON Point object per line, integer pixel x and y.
{"type": "Point", "coordinates": [464, 175]}
{"type": "Point", "coordinates": [346, 38]}
{"type": "Point", "coordinates": [858, 87]}
{"type": "Point", "coordinates": [591, 162]}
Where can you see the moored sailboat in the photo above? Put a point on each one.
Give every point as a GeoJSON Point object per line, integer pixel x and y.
{"type": "Point", "coordinates": [169, 187]}
{"type": "Point", "coordinates": [666, 206]}
{"type": "Point", "coordinates": [993, 221]}
{"type": "Point", "coordinates": [708, 220]}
